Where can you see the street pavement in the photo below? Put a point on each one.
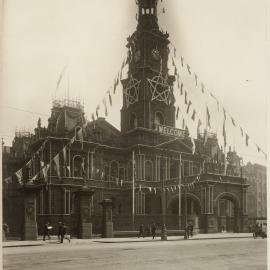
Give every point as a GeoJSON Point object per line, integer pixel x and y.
{"type": "Point", "coordinates": [211, 254]}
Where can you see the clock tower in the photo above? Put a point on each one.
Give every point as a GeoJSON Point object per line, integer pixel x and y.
{"type": "Point", "coordinates": [147, 92]}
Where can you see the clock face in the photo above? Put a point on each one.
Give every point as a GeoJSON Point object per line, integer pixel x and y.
{"type": "Point", "coordinates": [156, 54]}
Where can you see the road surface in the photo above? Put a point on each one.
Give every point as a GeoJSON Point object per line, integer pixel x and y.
{"type": "Point", "coordinates": [210, 254]}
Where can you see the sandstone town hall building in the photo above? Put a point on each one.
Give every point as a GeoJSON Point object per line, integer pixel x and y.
{"type": "Point", "coordinates": [137, 167]}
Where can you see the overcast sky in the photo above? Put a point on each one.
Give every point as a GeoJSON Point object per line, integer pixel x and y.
{"type": "Point", "coordinates": [224, 42]}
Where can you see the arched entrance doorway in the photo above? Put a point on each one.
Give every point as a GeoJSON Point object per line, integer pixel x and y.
{"type": "Point", "coordinates": [227, 213]}
{"type": "Point", "coordinates": [193, 210]}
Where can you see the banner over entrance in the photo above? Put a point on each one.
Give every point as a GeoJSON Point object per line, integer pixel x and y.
{"type": "Point", "coordinates": [170, 131]}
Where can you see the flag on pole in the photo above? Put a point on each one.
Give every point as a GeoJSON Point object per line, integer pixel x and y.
{"type": "Point", "coordinates": [208, 117]}
{"type": "Point", "coordinates": [65, 155]}
{"type": "Point", "coordinates": [97, 109]}
{"type": "Point", "coordinates": [224, 134]}
{"type": "Point", "coordinates": [45, 172]}
{"type": "Point", "coordinates": [57, 164]}
{"type": "Point", "coordinates": [193, 145]}
{"type": "Point", "coordinates": [80, 136]}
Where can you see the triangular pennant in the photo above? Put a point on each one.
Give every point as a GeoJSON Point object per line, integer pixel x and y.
{"type": "Point", "coordinates": [203, 87]}
{"type": "Point", "coordinates": [181, 88]}
{"type": "Point", "coordinates": [110, 97]}
{"type": "Point", "coordinates": [247, 138]}
{"type": "Point", "coordinates": [196, 78]}
{"type": "Point", "coordinates": [182, 61]}
{"type": "Point", "coordinates": [188, 107]}
{"type": "Point", "coordinates": [188, 68]}
{"type": "Point", "coordinates": [233, 122]}
{"type": "Point", "coordinates": [186, 102]}
{"type": "Point", "coordinates": [177, 112]}
{"type": "Point", "coordinates": [193, 115]}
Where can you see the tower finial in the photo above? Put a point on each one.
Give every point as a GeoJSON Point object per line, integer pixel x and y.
{"type": "Point", "coordinates": [147, 14]}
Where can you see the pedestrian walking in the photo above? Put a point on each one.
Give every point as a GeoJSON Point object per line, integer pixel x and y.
{"type": "Point", "coordinates": [141, 231]}
{"type": "Point", "coordinates": [191, 230]}
{"type": "Point", "coordinates": [63, 233]}
{"type": "Point", "coordinates": [5, 231]}
{"type": "Point", "coordinates": [153, 230]}
{"type": "Point", "coordinates": [60, 230]}
{"type": "Point", "coordinates": [46, 231]}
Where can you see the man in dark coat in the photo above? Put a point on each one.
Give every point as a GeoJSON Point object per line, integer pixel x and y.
{"type": "Point", "coordinates": [63, 233]}
{"type": "Point", "coordinates": [46, 231]}
{"type": "Point", "coordinates": [60, 230]}
{"type": "Point", "coordinates": [153, 230]}
{"type": "Point", "coordinates": [141, 231]}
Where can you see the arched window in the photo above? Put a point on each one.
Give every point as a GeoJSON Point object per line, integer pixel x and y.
{"type": "Point", "coordinates": [133, 121]}
{"type": "Point", "coordinates": [149, 170]}
{"type": "Point", "coordinates": [114, 169]}
{"type": "Point", "coordinates": [159, 119]}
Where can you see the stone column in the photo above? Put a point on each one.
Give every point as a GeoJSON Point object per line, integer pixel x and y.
{"type": "Point", "coordinates": [29, 228]}
{"type": "Point", "coordinates": [208, 217]}
{"type": "Point", "coordinates": [85, 226]}
{"type": "Point", "coordinates": [107, 224]}
{"type": "Point", "coordinates": [243, 213]}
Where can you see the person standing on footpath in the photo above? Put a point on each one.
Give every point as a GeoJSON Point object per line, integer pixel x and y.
{"type": "Point", "coordinates": [60, 230]}
{"type": "Point", "coordinates": [46, 231]}
{"type": "Point", "coordinates": [141, 231]}
{"type": "Point", "coordinates": [63, 233]}
{"type": "Point", "coordinates": [153, 230]}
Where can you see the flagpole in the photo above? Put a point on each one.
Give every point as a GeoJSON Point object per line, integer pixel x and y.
{"type": "Point", "coordinates": [180, 180]}
{"type": "Point", "coordinates": [133, 190]}
{"type": "Point", "coordinates": [225, 161]}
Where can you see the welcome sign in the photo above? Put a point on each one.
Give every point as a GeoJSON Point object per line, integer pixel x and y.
{"type": "Point", "coordinates": [170, 131]}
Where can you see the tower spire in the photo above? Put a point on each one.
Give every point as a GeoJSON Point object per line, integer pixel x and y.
{"type": "Point", "coordinates": [147, 14]}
